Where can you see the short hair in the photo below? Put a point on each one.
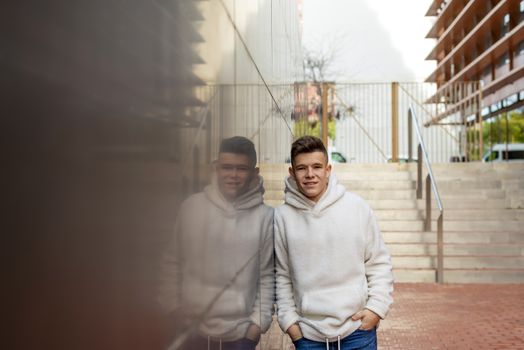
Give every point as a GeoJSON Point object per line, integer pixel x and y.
{"type": "Point", "coordinates": [239, 145]}
{"type": "Point", "coordinates": [307, 144]}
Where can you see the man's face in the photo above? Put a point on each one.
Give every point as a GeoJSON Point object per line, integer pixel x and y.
{"type": "Point", "coordinates": [311, 172]}
{"type": "Point", "coordinates": [234, 173]}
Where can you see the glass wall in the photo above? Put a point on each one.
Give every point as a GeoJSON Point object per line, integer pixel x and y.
{"type": "Point", "coordinates": [112, 116]}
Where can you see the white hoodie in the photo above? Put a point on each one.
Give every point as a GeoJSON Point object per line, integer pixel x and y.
{"type": "Point", "coordinates": [331, 262]}
{"type": "Point", "coordinates": [221, 254]}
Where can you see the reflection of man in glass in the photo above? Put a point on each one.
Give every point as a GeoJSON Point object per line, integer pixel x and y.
{"type": "Point", "coordinates": [217, 276]}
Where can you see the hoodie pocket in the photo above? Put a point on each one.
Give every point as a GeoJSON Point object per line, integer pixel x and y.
{"type": "Point", "coordinates": [338, 303]}
{"type": "Point", "coordinates": [230, 303]}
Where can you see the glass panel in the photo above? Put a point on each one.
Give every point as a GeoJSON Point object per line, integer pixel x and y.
{"type": "Point", "coordinates": [513, 155]}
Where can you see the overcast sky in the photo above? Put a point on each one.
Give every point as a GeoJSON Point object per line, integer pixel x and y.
{"type": "Point", "coordinates": [374, 40]}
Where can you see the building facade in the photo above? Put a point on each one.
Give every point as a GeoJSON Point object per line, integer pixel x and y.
{"type": "Point", "coordinates": [479, 41]}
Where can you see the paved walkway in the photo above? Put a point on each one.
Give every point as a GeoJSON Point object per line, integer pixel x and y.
{"type": "Point", "coordinates": [431, 316]}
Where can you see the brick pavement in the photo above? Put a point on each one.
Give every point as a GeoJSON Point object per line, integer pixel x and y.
{"type": "Point", "coordinates": [431, 316]}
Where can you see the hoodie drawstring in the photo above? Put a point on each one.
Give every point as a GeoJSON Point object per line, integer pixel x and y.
{"type": "Point", "coordinates": [338, 343]}
{"type": "Point", "coordinates": [209, 343]}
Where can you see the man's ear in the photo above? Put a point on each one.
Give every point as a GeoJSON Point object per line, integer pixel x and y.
{"type": "Point", "coordinates": [256, 171]}
{"type": "Point", "coordinates": [291, 172]}
{"type": "Point", "coordinates": [328, 168]}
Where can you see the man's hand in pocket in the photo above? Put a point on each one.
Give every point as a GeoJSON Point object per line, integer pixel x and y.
{"type": "Point", "coordinates": [368, 318]}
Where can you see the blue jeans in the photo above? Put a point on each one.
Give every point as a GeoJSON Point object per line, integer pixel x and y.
{"type": "Point", "coordinates": [358, 340]}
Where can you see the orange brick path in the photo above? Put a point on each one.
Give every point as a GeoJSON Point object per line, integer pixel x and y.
{"type": "Point", "coordinates": [431, 316]}
{"type": "Point", "coordinates": [469, 316]}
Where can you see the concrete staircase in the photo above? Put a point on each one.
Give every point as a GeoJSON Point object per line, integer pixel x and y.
{"type": "Point", "coordinates": [483, 217]}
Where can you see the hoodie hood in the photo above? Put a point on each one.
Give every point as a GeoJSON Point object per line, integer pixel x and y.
{"type": "Point", "coordinates": [297, 199]}
{"type": "Point", "coordinates": [252, 198]}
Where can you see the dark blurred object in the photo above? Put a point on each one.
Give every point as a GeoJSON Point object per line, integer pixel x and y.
{"type": "Point", "coordinates": [91, 94]}
{"type": "Point", "coordinates": [457, 159]}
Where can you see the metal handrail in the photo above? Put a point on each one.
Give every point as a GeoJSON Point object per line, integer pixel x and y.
{"type": "Point", "coordinates": [431, 184]}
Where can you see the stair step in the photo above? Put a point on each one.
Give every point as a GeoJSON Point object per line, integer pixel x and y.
{"type": "Point", "coordinates": [482, 225]}
{"type": "Point", "coordinates": [470, 193]}
{"type": "Point", "coordinates": [398, 214]}
{"type": "Point", "coordinates": [386, 194]}
{"type": "Point", "coordinates": [459, 262]}
{"type": "Point", "coordinates": [373, 168]}
{"type": "Point", "coordinates": [513, 184]}
{"type": "Point", "coordinates": [375, 176]}
{"type": "Point", "coordinates": [478, 226]}
{"type": "Point", "coordinates": [452, 203]}
{"type": "Point", "coordinates": [459, 275]}
{"type": "Point", "coordinates": [402, 275]}
{"type": "Point", "coordinates": [448, 204]}
{"type": "Point", "coordinates": [471, 249]}
{"type": "Point", "coordinates": [459, 184]}
{"type": "Point", "coordinates": [453, 237]}
{"type": "Point", "coordinates": [481, 214]}
{"type": "Point", "coordinates": [484, 276]}
{"type": "Point", "coordinates": [401, 225]}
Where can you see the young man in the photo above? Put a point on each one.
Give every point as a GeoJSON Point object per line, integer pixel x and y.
{"type": "Point", "coordinates": [333, 272]}
{"type": "Point", "coordinates": [218, 274]}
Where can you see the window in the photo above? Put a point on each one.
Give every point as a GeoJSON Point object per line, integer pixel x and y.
{"type": "Point", "coordinates": [495, 107]}
{"type": "Point", "coordinates": [520, 48]}
{"type": "Point", "coordinates": [486, 73]}
{"type": "Point", "coordinates": [474, 53]}
{"type": "Point", "coordinates": [515, 155]}
{"type": "Point", "coordinates": [337, 157]}
{"type": "Point", "coordinates": [488, 40]}
{"type": "Point", "coordinates": [492, 156]}
{"type": "Point", "coordinates": [506, 19]}
{"type": "Point", "coordinates": [511, 100]}
{"type": "Point", "coordinates": [503, 60]}
{"type": "Point", "coordinates": [504, 29]}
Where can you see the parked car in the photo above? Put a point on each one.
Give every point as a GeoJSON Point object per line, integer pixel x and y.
{"type": "Point", "coordinates": [512, 152]}
{"type": "Point", "coordinates": [337, 157]}
{"type": "Point", "coordinates": [403, 159]}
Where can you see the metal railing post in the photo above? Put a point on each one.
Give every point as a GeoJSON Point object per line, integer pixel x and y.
{"type": "Point", "coordinates": [394, 122]}
{"type": "Point", "coordinates": [427, 226]}
{"type": "Point", "coordinates": [410, 137]}
{"type": "Point", "coordinates": [440, 249]}
{"type": "Point", "coordinates": [419, 172]}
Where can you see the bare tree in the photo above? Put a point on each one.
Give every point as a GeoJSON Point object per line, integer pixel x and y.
{"type": "Point", "coordinates": [319, 62]}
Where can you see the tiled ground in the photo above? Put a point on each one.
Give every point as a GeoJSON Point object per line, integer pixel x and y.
{"type": "Point", "coordinates": [431, 316]}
